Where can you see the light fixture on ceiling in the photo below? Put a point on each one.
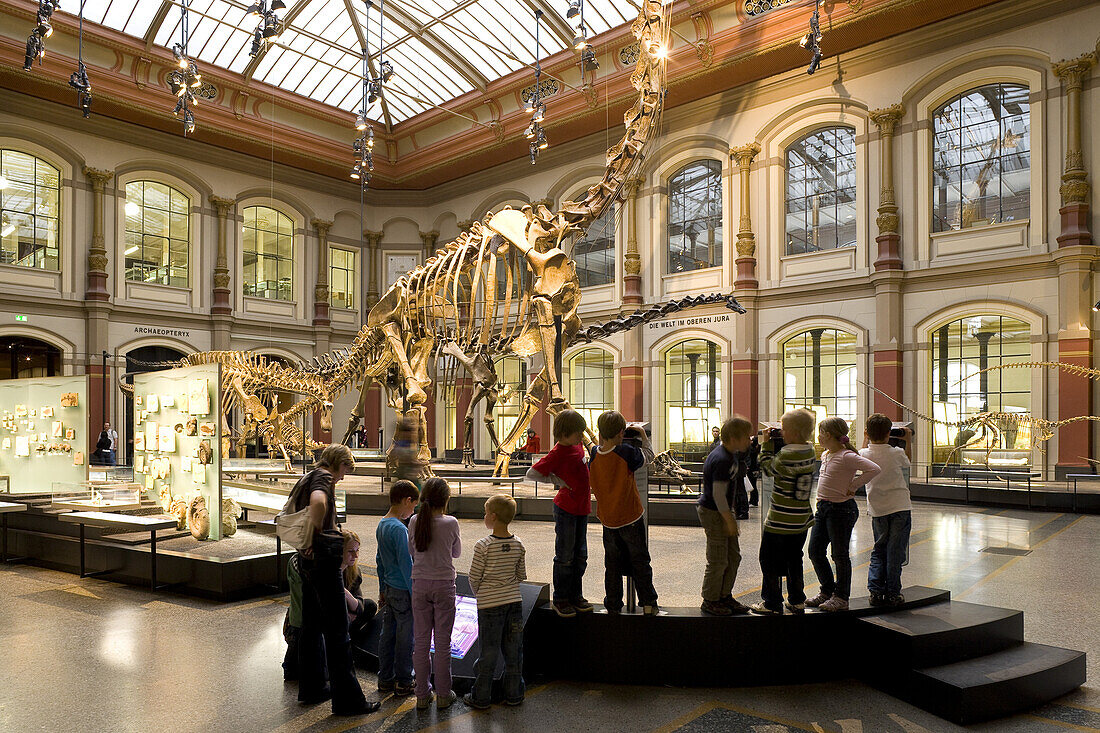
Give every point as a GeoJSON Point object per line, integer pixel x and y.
{"type": "Point", "coordinates": [79, 78]}
{"type": "Point", "coordinates": [186, 78]}
{"type": "Point", "coordinates": [574, 9]}
{"type": "Point", "coordinates": [588, 60]}
{"type": "Point", "coordinates": [268, 29]}
{"type": "Point", "coordinates": [534, 132]}
{"type": "Point", "coordinates": [812, 40]}
{"type": "Point", "coordinates": [36, 41]}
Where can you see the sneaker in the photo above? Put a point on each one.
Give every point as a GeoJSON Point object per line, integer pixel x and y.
{"type": "Point", "coordinates": [564, 609]}
{"type": "Point", "coordinates": [471, 703]}
{"type": "Point", "coordinates": [404, 689]}
{"type": "Point", "coordinates": [716, 608]}
{"type": "Point", "coordinates": [817, 600]}
{"type": "Point", "coordinates": [895, 600]}
{"type": "Point", "coordinates": [761, 609]}
{"type": "Point", "coordinates": [735, 606]}
{"type": "Point", "coordinates": [445, 701]}
{"type": "Point", "coordinates": [613, 610]}
{"type": "Point", "coordinates": [423, 703]}
{"type": "Point", "coordinates": [581, 605]}
{"type": "Point", "coordinates": [366, 708]}
{"type": "Point", "coordinates": [651, 610]}
{"type": "Point", "coordinates": [795, 607]}
{"type": "Point", "coordinates": [877, 599]}
{"type": "Point", "coordinates": [836, 603]}
{"type": "Point", "coordinates": [389, 686]}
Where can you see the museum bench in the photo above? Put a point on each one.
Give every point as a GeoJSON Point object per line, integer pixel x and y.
{"type": "Point", "coordinates": [1005, 474]}
{"type": "Point", "coordinates": [458, 480]}
{"type": "Point", "coordinates": [121, 521]}
{"type": "Point", "coordinates": [1075, 477]}
{"type": "Point", "coordinates": [6, 508]}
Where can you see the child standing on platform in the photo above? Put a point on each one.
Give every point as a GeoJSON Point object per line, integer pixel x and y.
{"type": "Point", "coordinates": [564, 466]}
{"type": "Point", "coordinates": [724, 469]}
{"type": "Point", "coordinates": [891, 511]}
{"type": "Point", "coordinates": [619, 507]}
{"type": "Point", "coordinates": [434, 543]}
{"type": "Point", "coordinates": [394, 562]}
{"type": "Point", "coordinates": [789, 516]}
{"type": "Point", "coordinates": [836, 513]}
{"type": "Point", "coordinates": [495, 574]}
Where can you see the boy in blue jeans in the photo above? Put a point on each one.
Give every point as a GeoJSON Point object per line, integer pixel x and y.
{"type": "Point", "coordinates": [395, 667]}
{"type": "Point", "coordinates": [891, 511]}
{"type": "Point", "coordinates": [495, 574]}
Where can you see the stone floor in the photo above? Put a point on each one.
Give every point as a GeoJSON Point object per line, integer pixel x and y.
{"type": "Point", "coordinates": [98, 656]}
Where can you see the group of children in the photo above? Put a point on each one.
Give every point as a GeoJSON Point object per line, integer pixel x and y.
{"type": "Point", "coordinates": [416, 565]}
{"type": "Point", "coordinates": [788, 456]}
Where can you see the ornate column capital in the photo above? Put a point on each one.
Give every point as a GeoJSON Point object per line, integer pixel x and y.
{"type": "Point", "coordinates": [1073, 72]}
{"type": "Point", "coordinates": [373, 239]}
{"type": "Point", "coordinates": [321, 227]}
{"type": "Point", "coordinates": [221, 206]}
{"type": "Point", "coordinates": [98, 178]}
{"type": "Point", "coordinates": [632, 186]}
{"type": "Point", "coordinates": [429, 239]}
{"type": "Point", "coordinates": [744, 154]}
{"type": "Point", "coordinates": [465, 225]}
{"type": "Point", "coordinates": [887, 118]}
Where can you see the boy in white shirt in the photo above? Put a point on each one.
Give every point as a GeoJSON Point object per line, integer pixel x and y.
{"type": "Point", "coordinates": [891, 511]}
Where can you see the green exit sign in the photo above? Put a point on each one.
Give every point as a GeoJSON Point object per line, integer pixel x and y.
{"type": "Point", "coordinates": [21, 319]}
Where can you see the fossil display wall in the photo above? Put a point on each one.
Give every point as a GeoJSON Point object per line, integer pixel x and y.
{"type": "Point", "coordinates": [177, 444]}
{"type": "Point", "coordinates": [43, 432]}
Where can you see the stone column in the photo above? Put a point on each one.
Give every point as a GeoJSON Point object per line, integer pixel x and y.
{"type": "Point", "coordinates": [746, 240]}
{"type": "Point", "coordinates": [888, 239]}
{"type": "Point", "coordinates": [430, 240]}
{"type": "Point", "coordinates": [465, 225]}
{"type": "Point", "coordinates": [321, 291]}
{"type": "Point", "coordinates": [374, 239]}
{"type": "Point", "coordinates": [1075, 188]}
{"type": "Point", "coordinates": [97, 249]}
{"type": "Point", "coordinates": [632, 261]}
{"type": "Point", "coordinates": [222, 305]}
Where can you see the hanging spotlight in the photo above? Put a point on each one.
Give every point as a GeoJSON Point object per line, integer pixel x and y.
{"type": "Point", "coordinates": [812, 40]}
{"type": "Point", "coordinates": [385, 71]}
{"type": "Point", "coordinates": [186, 78]}
{"type": "Point", "coordinates": [79, 81]}
{"type": "Point", "coordinates": [588, 60]}
{"type": "Point", "coordinates": [574, 9]}
{"type": "Point", "coordinates": [540, 113]}
{"type": "Point", "coordinates": [580, 42]}
{"type": "Point", "coordinates": [535, 105]}
{"type": "Point", "coordinates": [268, 29]}
{"type": "Point", "coordinates": [36, 41]}
{"type": "Point", "coordinates": [541, 140]}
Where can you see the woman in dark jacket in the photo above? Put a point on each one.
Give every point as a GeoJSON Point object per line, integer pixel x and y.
{"type": "Point", "coordinates": [324, 605]}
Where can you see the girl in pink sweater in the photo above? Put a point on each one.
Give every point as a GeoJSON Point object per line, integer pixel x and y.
{"type": "Point", "coordinates": [836, 513]}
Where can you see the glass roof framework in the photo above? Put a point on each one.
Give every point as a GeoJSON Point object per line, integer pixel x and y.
{"type": "Point", "coordinates": [441, 49]}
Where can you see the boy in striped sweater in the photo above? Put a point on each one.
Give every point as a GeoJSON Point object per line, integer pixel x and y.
{"type": "Point", "coordinates": [789, 517]}
{"type": "Point", "coordinates": [495, 574]}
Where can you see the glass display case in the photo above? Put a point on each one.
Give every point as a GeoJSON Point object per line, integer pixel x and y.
{"type": "Point", "coordinates": [44, 433]}
{"type": "Point", "coordinates": [270, 497]}
{"type": "Point", "coordinates": [111, 473]}
{"type": "Point", "coordinates": [99, 496]}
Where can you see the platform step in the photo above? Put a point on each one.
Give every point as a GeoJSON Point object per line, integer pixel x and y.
{"type": "Point", "coordinates": [942, 633]}
{"type": "Point", "coordinates": [993, 686]}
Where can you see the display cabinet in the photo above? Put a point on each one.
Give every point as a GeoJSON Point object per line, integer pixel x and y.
{"type": "Point", "coordinates": [100, 496]}
{"type": "Point", "coordinates": [43, 432]}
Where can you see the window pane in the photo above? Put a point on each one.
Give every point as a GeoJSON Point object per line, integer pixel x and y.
{"type": "Point", "coordinates": [693, 394]}
{"type": "Point", "coordinates": [819, 373]}
{"type": "Point", "coordinates": [594, 253]}
{"type": "Point", "coordinates": [29, 211]}
{"type": "Point", "coordinates": [821, 191]}
{"type": "Point", "coordinates": [267, 239]}
{"type": "Point", "coordinates": [695, 217]}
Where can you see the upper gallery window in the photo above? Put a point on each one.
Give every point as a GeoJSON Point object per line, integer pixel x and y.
{"type": "Point", "coordinates": [30, 211]}
{"type": "Point", "coordinates": [594, 253]}
{"type": "Point", "coordinates": [821, 191]}
{"type": "Point", "coordinates": [268, 253]}
{"type": "Point", "coordinates": [157, 234]}
{"type": "Point", "coordinates": [341, 277]}
{"type": "Point", "coordinates": [695, 217]}
{"type": "Point", "coordinates": [592, 384]}
{"type": "Point", "coordinates": [981, 159]}
{"type": "Point", "coordinates": [819, 374]}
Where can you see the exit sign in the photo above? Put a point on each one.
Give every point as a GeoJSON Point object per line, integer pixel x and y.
{"type": "Point", "coordinates": [21, 319]}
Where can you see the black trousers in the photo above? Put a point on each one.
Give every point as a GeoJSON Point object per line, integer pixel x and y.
{"type": "Point", "coordinates": [625, 552]}
{"type": "Point", "coordinates": [324, 637]}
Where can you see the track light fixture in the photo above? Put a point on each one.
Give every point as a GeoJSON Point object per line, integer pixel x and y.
{"type": "Point", "coordinates": [36, 41]}
{"type": "Point", "coordinates": [812, 40]}
{"type": "Point", "coordinates": [186, 78]}
{"type": "Point", "coordinates": [268, 28]}
{"type": "Point", "coordinates": [79, 78]}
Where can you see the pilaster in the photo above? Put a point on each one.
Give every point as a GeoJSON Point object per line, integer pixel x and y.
{"type": "Point", "coordinates": [1075, 189]}
{"type": "Point", "coordinates": [373, 240]}
{"type": "Point", "coordinates": [97, 248]}
{"type": "Point", "coordinates": [320, 290]}
{"type": "Point", "coordinates": [746, 240]}
{"type": "Point", "coordinates": [222, 303]}
{"type": "Point", "coordinates": [632, 261]}
{"type": "Point", "coordinates": [889, 238]}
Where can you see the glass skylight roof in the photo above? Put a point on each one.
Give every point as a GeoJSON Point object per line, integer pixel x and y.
{"type": "Point", "coordinates": [440, 49]}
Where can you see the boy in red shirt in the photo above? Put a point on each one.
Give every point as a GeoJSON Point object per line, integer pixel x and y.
{"type": "Point", "coordinates": [564, 466]}
{"type": "Point", "coordinates": [625, 547]}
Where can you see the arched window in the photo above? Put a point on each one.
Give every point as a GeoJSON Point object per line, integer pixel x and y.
{"type": "Point", "coordinates": [819, 373]}
{"type": "Point", "coordinates": [592, 384]}
{"type": "Point", "coordinates": [821, 191]}
{"type": "Point", "coordinates": [341, 277]}
{"type": "Point", "coordinates": [512, 383]}
{"type": "Point", "coordinates": [157, 234]}
{"type": "Point", "coordinates": [693, 396]}
{"type": "Point", "coordinates": [22, 358]}
{"type": "Point", "coordinates": [961, 351]}
{"type": "Point", "coordinates": [268, 253]}
{"type": "Point", "coordinates": [594, 253]}
{"type": "Point", "coordinates": [695, 217]}
{"type": "Point", "coordinates": [981, 160]}
{"type": "Point", "coordinates": [30, 211]}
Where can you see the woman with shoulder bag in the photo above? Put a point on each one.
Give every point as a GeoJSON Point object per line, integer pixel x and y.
{"type": "Point", "coordinates": [324, 609]}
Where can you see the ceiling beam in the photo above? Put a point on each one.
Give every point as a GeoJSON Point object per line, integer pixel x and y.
{"type": "Point", "coordinates": [157, 22]}
{"type": "Point", "coordinates": [284, 23]}
{"type": "Point", "coordinates": [556, 24]}
{"type": "Point", "coordinates": [362, 37]}
{"type": "Point", "coordinates": [444, 50]}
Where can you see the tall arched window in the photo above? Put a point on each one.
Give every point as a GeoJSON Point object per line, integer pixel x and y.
{"type": "Point", "coordinates": [30, 211]}
{"type": "Point", "coordinates": [268, 253]}
{"type": "Point", "coordinates": [819, 373]}
{"type": "Point", "coordinates": [592, 384]}
{"type": "Point", "coordinates": [594, 253]}
{"type": "Point", "coordinates": [821, 191]}
{"type": "Point", "coordinates": [981, 160]}
{"type": "Point", "coordinates": [22, 358]}
{"type": "Point", "coordinates": [341, 277]}
{"type": "Point", "coordinates": [693, 396]}
{"type": "Point", "coordinates": [961, 351]}
{"type": "Point", "coordinates": [695, 217]}
{"type": "Point", "coordinates": [157, 234]}
{"type": "Point", "coordinates": [512, 383]}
